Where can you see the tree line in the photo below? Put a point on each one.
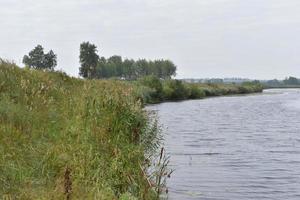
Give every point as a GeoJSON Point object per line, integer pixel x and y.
{"type": "Point", "coordinates": [290, 81]}
{"type": "Point", "coordinates": [92, 66]}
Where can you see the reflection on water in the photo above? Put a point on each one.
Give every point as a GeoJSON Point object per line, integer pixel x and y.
{"type": "Point", "coordinates": [238, 147]}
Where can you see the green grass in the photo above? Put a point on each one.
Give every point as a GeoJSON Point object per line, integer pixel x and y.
{"type": "Point", "coordinates": [154, 90]}
{"type": "Point", "coordinates": [68, 138]}
{"type": "Point", "coordinates": [62, 136]}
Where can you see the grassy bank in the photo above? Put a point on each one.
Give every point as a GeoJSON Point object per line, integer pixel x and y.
{"type": "Point", "coordinates": [154, 90]}
{"type": "Point", "coordinates": [67, 138]}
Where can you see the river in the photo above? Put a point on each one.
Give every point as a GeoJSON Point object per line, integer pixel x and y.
{"type": "Point", "coordinates": [234, 147]}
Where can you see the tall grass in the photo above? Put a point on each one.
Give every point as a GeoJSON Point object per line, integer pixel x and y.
{"type": "Point", "coordinates": [67, 138]}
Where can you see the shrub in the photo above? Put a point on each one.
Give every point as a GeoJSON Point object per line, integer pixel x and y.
{"type": "Point", "coordinates": [196, 92]}
{"type": "Point", "coordinates": [155, 84]}
{"type": "Point", "coordinates": [175, 90]}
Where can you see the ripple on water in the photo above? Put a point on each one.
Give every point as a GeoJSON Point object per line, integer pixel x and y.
{"type": "Point", "coordinates": [240, 147]}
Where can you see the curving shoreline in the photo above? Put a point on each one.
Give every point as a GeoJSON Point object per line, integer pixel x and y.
{"type": "Point", "coordinates": [69, 137]}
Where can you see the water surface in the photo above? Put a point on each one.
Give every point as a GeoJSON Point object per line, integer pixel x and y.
{"type": "Point", "coordinates": [237, 147]}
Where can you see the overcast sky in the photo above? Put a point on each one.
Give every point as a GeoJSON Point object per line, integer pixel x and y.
{"type": "Point", "coordinates": [205, 38]}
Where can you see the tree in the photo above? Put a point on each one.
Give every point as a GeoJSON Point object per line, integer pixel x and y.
{"type": "Point", "coordinates": [101, 68]}
{"type": "Point", "coordinates": [291, 81]}
{"type": "Point", "coordinates": [118, 64]}
{"type": "Point", "coordinates": [129, 69]}
{"type": "Point", "coordinates": [92, 66]}
{"type": "Point", "coordinates": [142, 67]}
{"type": "Point", "coordinates": [88, 59]}
{"type": "Point", "coordinates": [50, 60]}
{"type": "Point", "coordinates": [164, 69]}
{"type": "Point", "coordinates": [37, 59]}
{"type": "Point", "coordinates": [111, 69]}
{"type": "Point", "coordinates": [168, 69]}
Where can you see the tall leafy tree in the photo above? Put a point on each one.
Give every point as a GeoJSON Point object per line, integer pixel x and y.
{"type": "Point", "coordinates": [129, 69]}
{"type": "Point", "coordinates": [118, 65]}
{"type": "Point", "coordinates": [168, 69]}
{"type": "Point", "coordinates": [50, 60]}
{"type": "Point", "coordinates": [37, 59]}
{"type": "Point", "coordinates": [142, 67]}
{"type": "Point", "coordinates": [101, 68]}
{"type": "Point", "coordinates": [88, 59]}
{"type": "Point", "coordinates": [94, 67]}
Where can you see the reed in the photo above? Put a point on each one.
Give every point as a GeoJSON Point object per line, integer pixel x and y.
{"type": "Point", "coordinates": [68, 138]}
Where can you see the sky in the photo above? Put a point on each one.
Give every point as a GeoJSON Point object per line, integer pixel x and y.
{"type": "Point", "coordinates": [258, 39]}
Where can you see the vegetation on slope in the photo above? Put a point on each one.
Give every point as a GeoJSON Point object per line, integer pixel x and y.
{"type": "Point", "coordinates": [155, 90]}
{"type": "Point", "coordinates": [67, 138]}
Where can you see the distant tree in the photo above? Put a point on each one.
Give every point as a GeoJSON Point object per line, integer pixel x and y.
{"type": "Point", "coordinates": [37, 59]}
{"type": "Point", "coordinates": [101, 68]}
{"type": "Point", "coordinates": [117, 63]}
{"type": "Point", "coordinates": [94, 67]}
{"type": "Point", "coordinates": [129, 69]}
{"type": "Point", "coordinates": [168, 69]}
{"type": "Point", "coordinates": [111, 69]}
{"type": "Point", "coordinates": [254, 82]}
{"type": "Point", "coordinates": [291, 81]}
{"type": "Point", "coordinates": [88, 59]}
{"type": "Point", "coordinates": [215, 80]}
{"type": "Point", "coordinates": [156, 67]}
{"type": "Point", "coordinates": [164, 69]}
{"type": "Point", "coordinates": [273, 83]}
{"type": "Point", "coordinates": [142, 68]}
{"type": "Point", "coordinates": [50, 60]}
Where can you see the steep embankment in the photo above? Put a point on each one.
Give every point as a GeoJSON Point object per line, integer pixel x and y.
{"type": "Point", "coordinates": [62, 137]}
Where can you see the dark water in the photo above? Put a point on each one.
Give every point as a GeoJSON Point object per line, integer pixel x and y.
{"type": "Point", "coordinates": [240, 147]}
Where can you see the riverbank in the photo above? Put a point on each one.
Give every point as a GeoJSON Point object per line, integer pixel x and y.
{"type": "Point", "coordinates": [64, 137]}
{"type": "Point", "coordinates": [68, 138]}
{"type": "Point", "coordinates": [154, 90]}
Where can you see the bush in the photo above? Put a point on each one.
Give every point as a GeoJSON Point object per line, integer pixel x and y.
{"type": "Point", "coordinates": [175, 90]}
{"type": "Point", "coordinates": [150, 89]}
{"type": "Point", "coordinates": [196, 92]}
{"type": "Point", "coordinates": [155, 84]}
